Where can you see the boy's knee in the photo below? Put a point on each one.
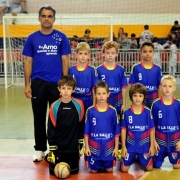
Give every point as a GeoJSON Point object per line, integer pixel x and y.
{"type": "Point", "coordinates": [149, 168]}
{"type": "Point", "coordinates": [109, 169]}
{"type": "Point", "coordinates": [176, 166]}
{"type": "Point", "coordinates": [157, 164]}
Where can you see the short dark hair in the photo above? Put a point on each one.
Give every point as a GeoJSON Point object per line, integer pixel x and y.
{"type": "Point", "coordinates": [87, 31]}
{"type": "Point", "coordinates": [67, 80]}
{"type": "Point", "coordinates": [101, 84]}
{"type": "Point", "coordinates": [138, 88]}
{"type": "Point", "coordinates": [155, 39]}
{"type": "Point", "coordinates": [147, 44]}
{"type": "Point", "coordinates": [176, 22]}
{"type": "Point", "coordinates": [133, 35]}
{"type": "Point", "coordinates": [47, 7]}
{"type": "Point", "coordinates": [146, 27]}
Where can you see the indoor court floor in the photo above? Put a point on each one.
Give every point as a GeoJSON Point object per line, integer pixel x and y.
{"type": "Point", "coordinates": [16, 147]}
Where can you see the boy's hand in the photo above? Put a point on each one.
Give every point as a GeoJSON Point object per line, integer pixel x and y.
{"type": "Point", "coordinates": [156, 146]}
{"type": "Point", "coordinates": [115, 152]}
{"type": "Point", "coordinates": [124, 152]}
{"type": "Point", "coordinates": [151, 151]}
{"type": "Point", "coordinates": [178, 146]}
{"type": "Point", "coordinates": [87, 151]}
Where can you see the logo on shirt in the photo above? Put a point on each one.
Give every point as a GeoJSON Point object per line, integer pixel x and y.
{"type": "Point", "coordinates": [151, 88]}
{"type": "Point", "coordinates": [48, 49]}
{"type": "Point", "coordinates": [115, 89]}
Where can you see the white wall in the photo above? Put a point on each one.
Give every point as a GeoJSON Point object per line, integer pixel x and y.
{"type": "Point", "coordinates": [108, 6]}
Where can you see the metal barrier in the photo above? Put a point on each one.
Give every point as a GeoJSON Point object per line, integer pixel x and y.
{"type": "Point", "coordinates": [126, 58]}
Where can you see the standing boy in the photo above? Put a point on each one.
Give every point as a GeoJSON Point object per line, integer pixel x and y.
{"type": "Point", "coordinates": [137, 131]}
{"type": "Point", "coordinates": [146, 35]}
{"type": "Point", "coordinates": [86, 78]}
{"type": "Point", "coordinates": [147, 73]}
{"type": "Point", "coordinates": [157, 49]}
{"type": "Point", "coordinates": [47, 59]}
{"type": "Point", "coordinates": [173, 58]}
{"type": "Point", "coordinates": [63, 126]}
{"type": "Point", "coordinates": [114, 76]}
{"type": "Point", "coordinates": [102, 131]}
{"type": "Point", "coordinates": [166, 115]}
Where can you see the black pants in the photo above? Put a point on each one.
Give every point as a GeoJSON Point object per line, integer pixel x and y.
{"type": "Point", "coordinates": [43, 92]}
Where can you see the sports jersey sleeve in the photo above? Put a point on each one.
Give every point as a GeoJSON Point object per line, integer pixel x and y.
{"type": "Point", "coordinates": [117, 125]}
{"type": "Point", "coordinates": [28, 47]}
{"type": "Point", "coordinates": [124, 79]}
{"type": "Point", "coordinates": [51, 132]}
{"type": "Point", "coordinates": [123, 121]}
{"type": "Point", "coordinates": [151, 121]}
{"type": "Point", "coordinates": [86, 127]}
{"type": "Point", "coordinates": [94, 77]}
{"type": "Point", "coordinates": [132, 79]}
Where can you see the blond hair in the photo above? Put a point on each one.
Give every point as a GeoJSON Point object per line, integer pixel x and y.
{"type": "Point", "coordinates": [83, 46]}
{"type": "Point", "coordinates": [109, 45]}
{"type": "Point", "coordinates": [168, 77]}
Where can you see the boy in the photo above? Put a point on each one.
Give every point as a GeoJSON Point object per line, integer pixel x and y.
{"type": "Point", "coordinates": [114, 76]}
{"type": "Point", "coordinates": [86, 78]}
{"type": "Point", "coordinates": [157, 48]}
{"type": "Point", "coordinates": [63, 126]}
{"type": "Point", "coordinates": [146, 35]}
{"type": "Point", "coordinates": [137, 131]}
{"type": "Point", "coordinates": [173, 58]}
{"type": "Point", "coordinates": [102, 130]}
{"type": "Point", "coordinates": [147, 73]}
{"type": "Point", "coordinates": [166, 114]}
{"type": "Point", "coordinates": [133, 42]}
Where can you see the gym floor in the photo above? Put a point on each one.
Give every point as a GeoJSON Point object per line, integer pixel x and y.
{"type": "Point", "coordinates": [17, 141]}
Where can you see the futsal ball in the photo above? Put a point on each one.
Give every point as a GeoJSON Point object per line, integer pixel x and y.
{"type": "Point", "coordinates": [62, 170]}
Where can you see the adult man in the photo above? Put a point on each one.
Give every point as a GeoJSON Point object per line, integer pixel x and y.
{"type": "Point", "coordinates": [47, 51]}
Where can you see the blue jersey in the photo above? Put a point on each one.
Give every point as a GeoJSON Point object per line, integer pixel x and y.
{"type": "Point", "coordinates": [101, 127]}
{"type": "Point", "coordinates": [116, 80]}
{"type": "Point", "coordinates": [167, 122]}
{"type": "Point", "coordinates": [85, 80]}
{"type": "Point", "coordinates": [46, 51]}
{"type": "Point", "coordinates": [138, 127]}
{"type": "Point", "coordinates": [150, 78]}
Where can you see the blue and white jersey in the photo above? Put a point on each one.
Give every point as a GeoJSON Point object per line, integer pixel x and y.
{"type": "Point", "coordinates": [116, 80]}
{"type": "Point", "coordinates": [150, 78]}
{"type": "Point", "coordinates": [85, 79]}
{"type": "Point", "coordinates": [138, 127]}
{"type": "Point", "coordinates": [46, 51]}
{"type": "Point", "coordinates": [101, 128]}
{"type": "Point", "coordinates": [167, 121]}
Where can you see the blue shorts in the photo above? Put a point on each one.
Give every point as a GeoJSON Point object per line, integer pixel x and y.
{"type": "Point", "coordinates": [97, 164]}
{"type": "Point", "coordinates": [87, 100]}
{"type": "Point", "coordinates": [115, 101]}
{"type": "Point", "coordinates": [174, 158]}
{"type": "Point", "coordinates": [144, 159]}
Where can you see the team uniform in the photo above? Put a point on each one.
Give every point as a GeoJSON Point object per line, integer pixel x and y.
{"type": "Point", "coordinates": [116, 80]}
{"type": "Point", "coordinates": [157, 58]}
{"type": "Point", "coordinates": [146, 36]}
{"type": "Point", "coordinates": [46, 51]}
{"type": "Point", "coordinates": [86, 80]}
{"type": "Point", "coordinates": [167, 122]}
{"type": "Point", "coordinates": [138, 127]}
{"type": "Point", "coordinates": [150, 78]}
{"type": "Point", "coordinates": [173, 59]}
{"type": "Point", "coordinates": [101, 127]}
{"type": "Point", "coordinates": [63, 127]}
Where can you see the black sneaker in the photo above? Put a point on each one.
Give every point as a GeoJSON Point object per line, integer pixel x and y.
{"type": "Point", "coordinates": [25, 12]}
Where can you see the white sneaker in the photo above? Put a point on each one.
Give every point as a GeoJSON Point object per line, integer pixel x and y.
{"type": "Point", "coordinates": [38, 156]}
